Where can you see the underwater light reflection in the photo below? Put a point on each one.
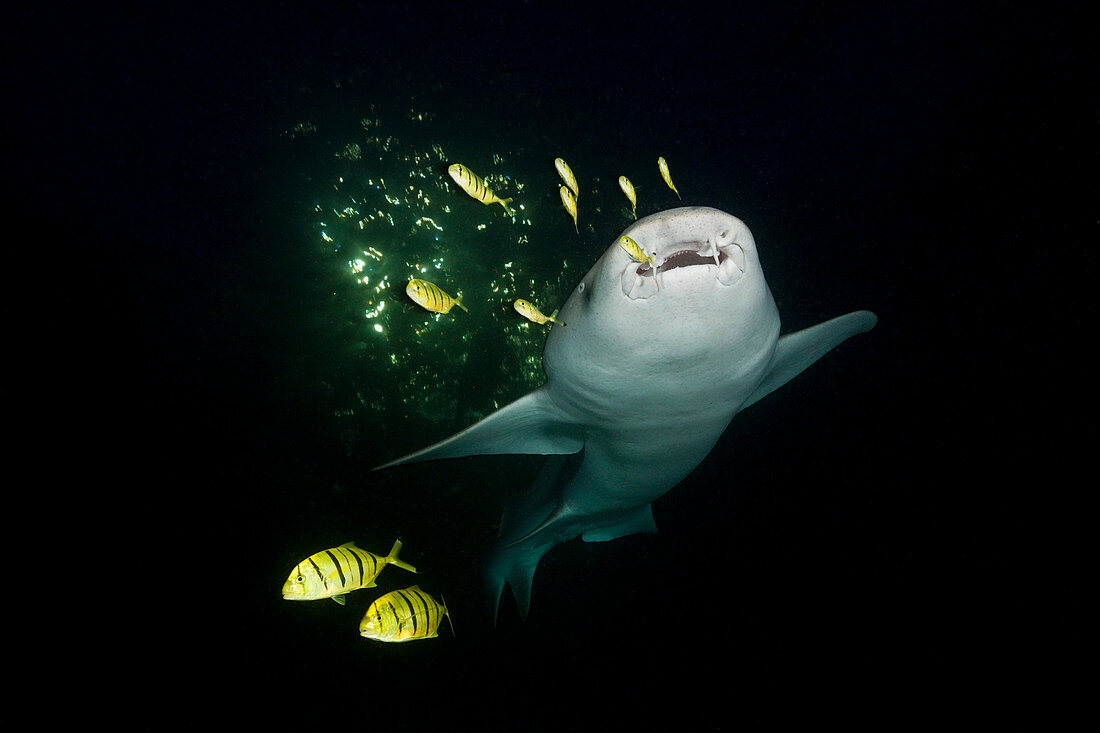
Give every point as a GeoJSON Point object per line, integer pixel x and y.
{"type": "Point", "coordinates": [390, 215]}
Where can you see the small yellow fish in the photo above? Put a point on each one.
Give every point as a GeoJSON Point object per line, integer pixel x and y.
{"type": "Point", "coordinates": [472, 184]}
{"type": "Point", "coordinates": [665, 175]}
{"type": "Point", "coordinates": [430, 296]}
{"type": "Point", "coordinates": [566, 174]}
{"type": "Point", "coordinates": [404, 615]}
{"type": "Point", "coordinates": [635, 251]}
{"type": "Point", "coordinates": [336, 572]}
{"type": "Point", "coordinates": [570, 204]}
{"type": "Point", "coordinates": [528, 310]}
{"type": "Point", "coordinates": [628, 189]}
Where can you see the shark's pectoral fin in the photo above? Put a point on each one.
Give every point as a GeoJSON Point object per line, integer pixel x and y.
{"type": "Point", "coordinates": [798, 350]}
{"type": "Point", "coordinates": [531, 424]}
{"type": "Point", "coordinates": [633, 522]}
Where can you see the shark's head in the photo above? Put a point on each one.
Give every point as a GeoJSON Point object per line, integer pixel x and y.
{"type": "Point", "coordinates": [706, 301]}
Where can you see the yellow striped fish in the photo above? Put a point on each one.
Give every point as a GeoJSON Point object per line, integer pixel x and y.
{"type": "Point", "coordinates": [566, 174]}
{"type": "Point", "coordinates": [404, 615]}
{"type": "Point", "coordinates": [668, 177]}
{"type": "Point", "coordinates": [570, 204]}
{"type": "Point", "coordinates": [335, 572]}
{"type": "Point", "coordinates": [528, 310]}
{"type": "Point", "coordinates": [472, 184]}
{"type": "Point", "coordinates": [628, 189]}
{"type": "Point", "coordinates": [430, 296]}
{"type": "Point", "coordinates": [635, 251]}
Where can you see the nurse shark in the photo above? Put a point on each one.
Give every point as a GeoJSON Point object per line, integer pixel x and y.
{"type": "Point", "coordinates": [649, 368]}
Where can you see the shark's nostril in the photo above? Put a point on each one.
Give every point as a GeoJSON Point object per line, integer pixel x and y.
{"type": "Point", "coordinates": [639, 283]}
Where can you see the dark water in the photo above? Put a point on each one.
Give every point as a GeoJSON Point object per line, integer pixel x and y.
{"type": "Point", "coordinates": [893, 536]}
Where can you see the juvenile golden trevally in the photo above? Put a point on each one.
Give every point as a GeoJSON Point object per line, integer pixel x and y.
{"type": "Point", "coordinates": [528, 310]}
{"type": "Point", "coordinates": [570, 204]}
{"type": "Point", "coordinates": [628, 189]}
{"type": "Point", "coordinates": [472, 184]}
{"type": "Point", "coordinates": [667, 176]}
{"type": "Point", "coordinates": [431, 296]}
{"type": "Point", "coordinates": [566, 174]}
{"type": "Point", "coordinates": [404, 615]}
{"type": "Point", "coordinates": [636, 252]}
{"type": "Point", "coordinates": [335, 572]}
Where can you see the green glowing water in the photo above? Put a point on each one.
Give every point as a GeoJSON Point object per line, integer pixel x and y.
{"type": "Point", "coordinates": [391, 213]}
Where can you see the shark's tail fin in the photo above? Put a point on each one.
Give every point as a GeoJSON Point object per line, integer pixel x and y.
{"type": "Point", "coordinates": [528, 529]}
{"type": "Point", "coordinates": [514, 565]}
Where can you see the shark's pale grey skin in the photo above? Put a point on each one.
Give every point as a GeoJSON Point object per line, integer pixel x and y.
{"type": "Point", "coordinates": [641, 381]}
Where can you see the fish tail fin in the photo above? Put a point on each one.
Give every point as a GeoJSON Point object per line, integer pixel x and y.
{"type": "Point", "coordinates": [554, 318]}
{"type": "Point", "coordinates": [458, 302]}
{"type": "Point", "coordinates": [447, 613]}
{"type": "Point", "coordinates": [392, 558]}
{"type": "Point", "coordinates": [507, 209]}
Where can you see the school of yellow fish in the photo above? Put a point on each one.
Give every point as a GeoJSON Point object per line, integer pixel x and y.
{"type": "Point", "coordinates": [411, 613]}
{"type": "Point", "coordinates": [401, 615]}
{"type": "Point", "coordinates": [431, 297]}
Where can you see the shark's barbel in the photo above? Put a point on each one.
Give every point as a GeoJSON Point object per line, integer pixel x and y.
{"type": "Point", "coordinates": [710, 347]}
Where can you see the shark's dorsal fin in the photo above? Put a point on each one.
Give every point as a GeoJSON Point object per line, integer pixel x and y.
{"type": "Point", "coordinates": [800, 349]}
{"type": "Point", "coordinates": [531, 424]}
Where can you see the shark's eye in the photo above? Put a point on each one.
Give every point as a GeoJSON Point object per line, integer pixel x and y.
{"type": "Point", "coordinates": [586, 292]}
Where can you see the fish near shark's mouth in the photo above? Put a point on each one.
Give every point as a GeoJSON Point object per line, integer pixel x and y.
{"type": "Point", "coordinates": [726, 261]}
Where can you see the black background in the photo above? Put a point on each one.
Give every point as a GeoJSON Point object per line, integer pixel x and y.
{"type": "Point", "coordinates": [906, 543]}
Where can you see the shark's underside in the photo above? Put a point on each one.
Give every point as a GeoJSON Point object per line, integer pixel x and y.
{"type": "Point", "coordinates": [652, 366]}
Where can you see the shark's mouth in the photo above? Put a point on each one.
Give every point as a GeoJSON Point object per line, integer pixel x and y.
{"type": "Point", "coordinates": [640, 281]}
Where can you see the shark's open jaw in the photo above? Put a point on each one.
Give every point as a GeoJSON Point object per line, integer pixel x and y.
{"type": "Point", "coordinates": [726, 260]}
